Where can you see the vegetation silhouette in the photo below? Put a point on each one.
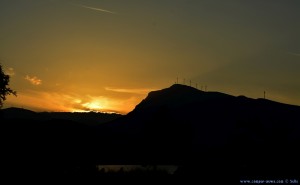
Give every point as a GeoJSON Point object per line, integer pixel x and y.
{"type": "Point", "coordinates": [5, 90]}
{"type": "Point", "coordinates": [90, 118]}
{"type": "Point", "coordinates": [208, 135]}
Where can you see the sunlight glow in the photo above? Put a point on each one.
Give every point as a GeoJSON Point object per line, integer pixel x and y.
{"type": "Point", "coordinates": [93, 105]}
{"type": "Point", "coordinates": [61, 102]}
{"type": "Point", "coordinates": [78, 110]}
{"type": "Point", "coordinates": [77, 101]}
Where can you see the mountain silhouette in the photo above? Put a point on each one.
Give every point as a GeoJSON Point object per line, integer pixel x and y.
{"type": "Point", "coordinates": [177, 95]}
{"type": "Point", "coordinates": [91, 118]}
{"type": "Point", "coordinates": [20, 113]}
{"type": "Point", "coordinates": [184, 125]}
{"type": "Point", "coordinates": [205, 133]}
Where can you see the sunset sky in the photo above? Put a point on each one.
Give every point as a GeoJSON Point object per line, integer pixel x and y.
{"type": "Point", "coordinates": [106, 55]}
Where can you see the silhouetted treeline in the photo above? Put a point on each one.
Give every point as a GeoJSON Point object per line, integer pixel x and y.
{"type": "Point", "coordinates": [92, 118]}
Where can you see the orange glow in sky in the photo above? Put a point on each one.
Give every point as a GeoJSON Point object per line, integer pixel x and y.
{"type": "Point", "coordinates": [108, 55]}
{"type": "Point", "coordinates": [72, 103]}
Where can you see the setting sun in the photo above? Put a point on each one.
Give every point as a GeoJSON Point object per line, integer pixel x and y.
{"type": "Point", "coordinates": [57, 102]}
{"type": "Point", "coordinates": [93, 106]}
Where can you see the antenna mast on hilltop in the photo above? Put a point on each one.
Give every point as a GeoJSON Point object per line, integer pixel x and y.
{"type": "Point", "coordinates": [191, 83]}
{"type": "Point", "coordinates": [264, 94]}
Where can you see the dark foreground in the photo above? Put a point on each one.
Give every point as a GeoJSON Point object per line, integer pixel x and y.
{"type": "Point", "coordinates": [213, 138]}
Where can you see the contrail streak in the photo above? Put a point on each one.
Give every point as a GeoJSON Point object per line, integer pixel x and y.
{"type": "Point", "coordinates": [296, 54]}
{"type": "Point", "coordinates": [97, 9]}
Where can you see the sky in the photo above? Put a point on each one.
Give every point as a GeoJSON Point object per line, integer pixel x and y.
{"type": "Point", "coordinates": [107, 55]}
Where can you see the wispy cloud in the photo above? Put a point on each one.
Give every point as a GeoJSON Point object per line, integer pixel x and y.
{"type": "Point", "coordinates": [96, 9]}
{"type": "Point", "coordinates": [296, 54]}
{"type": "Point", "coordinates": [9, 71]}
{"type": "Point", "coordinates": [33, 80]}
{"type": "Point", "coordinates": [133, 91]}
